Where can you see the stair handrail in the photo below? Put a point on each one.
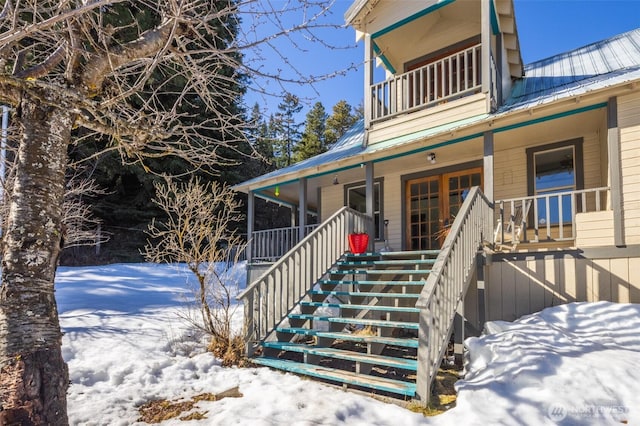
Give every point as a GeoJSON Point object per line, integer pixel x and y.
{"type": "Point", "coordinates": [447, 283]}
{"type": "Point", "coordinates": [269, 299]}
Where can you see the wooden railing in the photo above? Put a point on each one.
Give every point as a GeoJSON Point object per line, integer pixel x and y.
{"type": "Point", "coordinates": [447, 283]}
{"type": "Point", "coordinates": [450, 77]}
{"type": "Point", "coordinates": [268, 300]}
{"type": "Point", "coordinates": [548, 217]}
{"type": "Point", "coordinates": [271, 244]}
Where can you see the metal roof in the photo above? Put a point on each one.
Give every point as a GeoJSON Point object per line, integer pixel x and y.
{"type": "Point", "coordinates": [350, 144]}
{"type": "Point", "coordinates": [596, 66]}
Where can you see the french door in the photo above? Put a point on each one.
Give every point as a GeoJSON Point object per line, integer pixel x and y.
{"type": "Point", "coordinates": [432, 204]}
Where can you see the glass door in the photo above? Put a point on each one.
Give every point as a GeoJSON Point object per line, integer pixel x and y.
{"type": "Point", "coordinates": [432, 205]}
{"type": "Point", "coordinates": [423, 213]}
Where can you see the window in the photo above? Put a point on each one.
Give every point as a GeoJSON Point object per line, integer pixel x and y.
{"type": "Point", "coordinates": [554, 169]}
{"type": "Point", "coordinates": [356, 198]}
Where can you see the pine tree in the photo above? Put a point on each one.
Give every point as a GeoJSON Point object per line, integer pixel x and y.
{"type": "Point", "coordinates": [313, 138]}
{"type": "Point", "coordinates": [286, 128]}
{"type": "Point", "coordinates": [258, 133]}
{"type": "Point", "coordinates": [126, 208]}
{"type": "Point", "coordinates": [339, 122]}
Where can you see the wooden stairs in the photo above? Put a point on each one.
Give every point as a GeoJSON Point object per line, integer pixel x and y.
{"type": "Point", "coordinates": [358, 326]}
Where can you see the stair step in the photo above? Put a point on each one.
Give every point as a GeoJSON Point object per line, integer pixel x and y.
{"type": "Point", "coordinates": [368, 255]}
{"type": "Point", "coordinates": [410, 254]}
{"type": "Point", "coordinates": [360, 321]}
{"type": "Point", "coordinates": [371, 382]}
{"type": "Point", "coordinates": [404, 363]}
{"type": "Point", "coordinates": [374, 282]}
{"type": "Point", "coordinates": [361, 307]}
{"type": "Point", "coordinates": [389, 262]}
{"type": "Point", "coordinates": [393, 341]}
{"type": "Point", "coordinates": [364, 294]}
{"type": "Point", "coordinates": [380, 271]}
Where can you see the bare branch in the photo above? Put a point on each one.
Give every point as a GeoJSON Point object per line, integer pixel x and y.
{"type": "Point", "coordinates": [150, 43]}
{"type": "Point", "coordinates": [46, 66]}
{"type": "Point", "coordinates": [20, 33]}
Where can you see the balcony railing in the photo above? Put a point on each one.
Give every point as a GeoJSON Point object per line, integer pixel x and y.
{"type": "Point", "coordinates": [548, 217]}
{"type": "Point", "coordinates": [451, 77]}
{"type": "Point", "coordinates": [271, 244]}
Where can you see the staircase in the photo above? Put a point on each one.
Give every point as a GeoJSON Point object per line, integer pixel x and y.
{"type": "Point", "coordinates": [380, 321]}
{"type": "Point", "coordinates": [358, 326]}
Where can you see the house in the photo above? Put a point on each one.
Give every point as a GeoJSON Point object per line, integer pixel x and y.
{"type": "Point", "coordinates": [490, 189]}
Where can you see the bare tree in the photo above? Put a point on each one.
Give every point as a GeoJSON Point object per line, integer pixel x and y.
{"type": "Point", "coordinates": [200, 231]}
{"type": "Point", "coordinates": [80, 226]}
{"type": "Point", "coordinates": [144, 73]}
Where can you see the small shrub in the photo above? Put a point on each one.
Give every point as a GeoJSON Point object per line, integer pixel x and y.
{"type": "Point", "coordinates": [198, 232]}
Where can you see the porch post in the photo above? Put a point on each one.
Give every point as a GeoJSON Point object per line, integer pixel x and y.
{"type": "Point", "coordinates": [302, 207]}
{"type": "Point", "coordinates": [369, 191]}
{"type": "Point", "coordinates": [368, 81]}
{"type": "Point", "coordinates": [615, 172]}
{"type": "Point", "coordinates": [250, 224]}
{"type": "Point", "coordinates": [294, 213]}
{"type": "Point", "coordinates": [485, 39]}
{"type": "Point", "coordinates": [487, 165]}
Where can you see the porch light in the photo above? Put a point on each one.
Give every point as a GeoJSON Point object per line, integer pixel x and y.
{"type": "Point", "coordinates": [277, 191]}
{"type": "Point", "coordinates": [432, 157]}
{"type": "Point", "coordinates": [335, 180]}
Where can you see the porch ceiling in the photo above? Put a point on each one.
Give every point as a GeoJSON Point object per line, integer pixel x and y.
{"type": "Point", "coordinates": [435, 31]}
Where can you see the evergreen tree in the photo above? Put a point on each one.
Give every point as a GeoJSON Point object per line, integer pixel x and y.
{"type": "Point", "coordinates": [286, 128]}
{"type": "Point", "coordinates": [313, 138]}
{"type": "Point", "coordinates": [127, 208]}
{"type": "Point", "coordinates": [261, 139]}
{"type": "Point", "coordinates": [340, 120]}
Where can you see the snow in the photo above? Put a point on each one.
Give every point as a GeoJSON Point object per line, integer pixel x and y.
{"type": "Point", "coordinates": [126, 342]}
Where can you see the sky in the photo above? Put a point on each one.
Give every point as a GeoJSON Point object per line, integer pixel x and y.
{"type": "Point", "coordinates": [545, 28]}
{"type": "Point", "coordinates": [126, 342]}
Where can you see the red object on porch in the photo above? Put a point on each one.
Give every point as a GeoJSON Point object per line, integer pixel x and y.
{"type": "Point", "coordinates": [358, 243]}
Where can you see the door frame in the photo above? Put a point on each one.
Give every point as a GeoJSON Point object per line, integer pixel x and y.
{"type": "Point", "coordinates": [426, 174]}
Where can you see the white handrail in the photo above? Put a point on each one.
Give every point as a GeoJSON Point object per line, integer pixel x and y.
{"type": "Point", "coordinates": [545, 216]}
{"type": "Point", "coordinates": [270, 245]}
{"type": "Point", "coordinates": [268, 300]}
{"type": "Point", "coordinates": [447, 283]}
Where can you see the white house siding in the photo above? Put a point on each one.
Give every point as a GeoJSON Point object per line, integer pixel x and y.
{"type": "Point", "coordinates": [522, 286]}
{"type": "Point", "coordinates": [448, 112]}
{"type": "Point", "coordinates": [594, 229]}
{"type": "Point", "coordinates": [629, 124]}
{"type": "Point", "coordinates": [510, 157]}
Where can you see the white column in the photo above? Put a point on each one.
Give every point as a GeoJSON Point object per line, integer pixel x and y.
{"type": "Point", "coordinates": [615, 173]}
{"type": "Point", "coordinates": [250, 224]}
{"type": "Point", "coordinates": [368, 81]}
{"type": "Point", "coordinates": [487, 165]}
{"type": "Point", "coordinates": [485, 32]}
{"type": "Point", "coordinates": [369, 191]}
{"type": "Point", "coordinates": [302, 207]}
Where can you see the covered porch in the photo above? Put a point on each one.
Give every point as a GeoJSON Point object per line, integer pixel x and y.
{"type": "Point", "coordinates": [549, 179]}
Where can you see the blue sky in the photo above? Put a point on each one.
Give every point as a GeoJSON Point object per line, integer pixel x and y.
{"type": "Point", "coordinates": [545, 28]}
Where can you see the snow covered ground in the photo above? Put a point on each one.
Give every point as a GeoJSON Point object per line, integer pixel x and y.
{"type": "Point", "coordinates": [125, 343]}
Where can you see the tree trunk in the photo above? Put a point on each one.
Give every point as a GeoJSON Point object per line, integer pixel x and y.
{"type": "Point", "coordinates": [33, 376]}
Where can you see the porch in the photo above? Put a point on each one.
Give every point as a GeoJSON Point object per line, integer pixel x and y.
{"type": "Point", "coordinates": [555, 220]}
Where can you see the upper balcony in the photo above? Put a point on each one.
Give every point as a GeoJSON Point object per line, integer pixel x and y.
{"type": "Point", "coordinates": [444, 61]}
{"type": "Point", "coordinates": [434, 83]}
